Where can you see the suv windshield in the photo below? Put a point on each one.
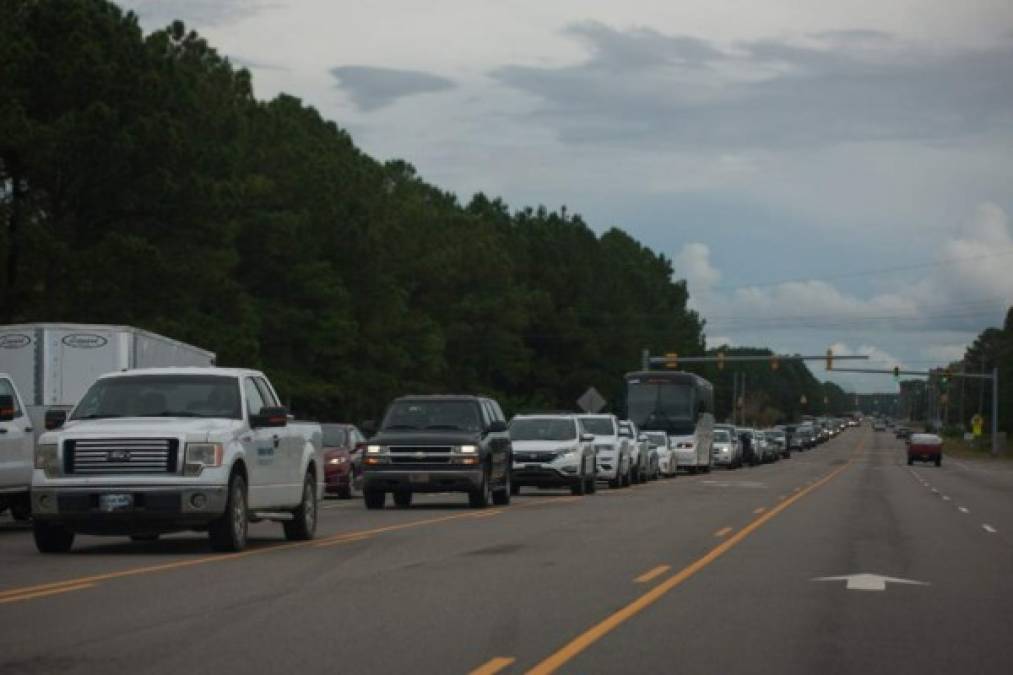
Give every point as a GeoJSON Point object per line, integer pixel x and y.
{"type": "Point", "coordinates": [433, 414]}
{"type": "Point", "coordinates": [722, 436]}
{"type": "Point", "coordinates": [161, 396]}
{"type": "Point", "coordinates": [599, 426]}
{"type": "Point", "coordinates": [543, 429]}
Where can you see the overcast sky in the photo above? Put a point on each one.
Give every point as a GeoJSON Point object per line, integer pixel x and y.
{"type": "Point", "coordinates": [822, 173]}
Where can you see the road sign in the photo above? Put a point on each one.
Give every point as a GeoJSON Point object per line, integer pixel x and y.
{"type": "Point", "coordinates": [870, 582]}
{"type": "Point", "coordinates": [977, 422]}
{"type": "Point", "coordinates": [591, 401]}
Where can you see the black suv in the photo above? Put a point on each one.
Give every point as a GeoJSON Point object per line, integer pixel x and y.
{"type": "Point", "coordinates": [439, 444]}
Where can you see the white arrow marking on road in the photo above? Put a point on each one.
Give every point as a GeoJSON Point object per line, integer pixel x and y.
{"type": "Point", "coordinates": [870, 582]}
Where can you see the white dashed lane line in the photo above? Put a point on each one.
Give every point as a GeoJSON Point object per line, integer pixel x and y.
{"type": "Point", "coordinates": [963, 509]}
{"type": "Point", "coordinates": [988, 528]}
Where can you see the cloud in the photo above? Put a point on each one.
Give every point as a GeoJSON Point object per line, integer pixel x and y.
{"type": "Point", "coordinates": [197, 14]}
{"type": "Point", "coordinates": [693, 264]}
{"type": "Point", "coordinates": [372, 87]}
{"type": "Point", "coordinates": [643, 86]}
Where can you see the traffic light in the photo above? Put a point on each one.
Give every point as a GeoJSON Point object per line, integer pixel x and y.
{"type": "Point", "coordinates": [721, 360]}
{"type": "Point", "coordinates": [671, 360]}
{"type": "Point", "coordinates": [830, 359]}
{"type": "Point", "coordinates": [944, 379]}
{"type": "Point", "coordinates": [896, 372]}
{"type": "Point", "coordinates": [775, 363]}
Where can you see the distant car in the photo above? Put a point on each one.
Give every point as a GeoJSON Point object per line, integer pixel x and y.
{"type": "Point", "coordinates": [727, 450]}
{"type": "Point", "coordinates": [639, 451]}
{"type": "Point", "coordinates": [658, 441]}
{"type": "Point", "coordinates": [780, 441]}
{"type": "Point", "coordinates": [925, 448]}
{"type": "Point", "coordinates": [902, 432]}
{"type": "Point", "coordinates": [342, 445]}
{"type": "Point", "coordinates": [752, 449]}
{"type": "Point", "coordinates": [613, 455]}
{"type": "Point", "coordinates": [878, 425]}
{"type": "Point", "coordinates": [552, 451]}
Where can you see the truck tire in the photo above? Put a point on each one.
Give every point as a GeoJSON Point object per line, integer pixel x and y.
{"type": "Point", "coordinates": [939, 460]}
{"type": "Point", "coordinates": [592, 483]}
{"type": "Point", "coordinates": [515, 489]}
{"type": "Point", "coordinates": [374, 499]}
{"type": "Point", "coordinates": [228, 533]}
{"type": "Point", "coordinates": [402, 499]}
{"type": "Point", "coordinates": [303, 525]}
{"type": "Point", "coordinates": [478, 498]}
{"type": "Point", "coordinates": [616, 482]}
{"type": "Point", "coordinates": [501, 497]}
{"type": "Point", "coordinates": [52, 537]}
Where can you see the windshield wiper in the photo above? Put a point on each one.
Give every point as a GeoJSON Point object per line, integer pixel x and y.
{"type": "Point", "coordinates": [175, 413]}
{"type": "Point", "coordinates": [399, 426]}
{"type": "Point", "coordinates": [451, 427]}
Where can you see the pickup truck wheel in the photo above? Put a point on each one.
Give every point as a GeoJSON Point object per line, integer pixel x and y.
{"type": "Point", "coordinates": [515, 489]}
{"type": "Point", "coordinates": [52, 537]}
{"type": "Point", "coordinates": [402, 499]}
{"type": "Point", "coordinates": [228, 533]}
{"type": "Point", "coordinates": [592, 483]}
{"type": "Point", "coordinates": [374, 499]}
{"type": "Point", "coordinates": [939, 461]}
{"type": "Point", "coordinates": [479, 497]}
{"type": "Point", "coordinates": [616, 482]}
{"type": "Point", "coordinates": [303, 525]}
{"type": "Point", "coordinates": [501, 497]}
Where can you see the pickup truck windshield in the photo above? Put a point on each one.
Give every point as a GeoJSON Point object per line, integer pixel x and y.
{"type": "Point", "coordinates": [599, 426]}
{"type": "Point", "coordinates": [161, 396]}
{"type": "Point", "coordinates": [543, 429]}
{"type": "Point", "coordinates": [432, 415]}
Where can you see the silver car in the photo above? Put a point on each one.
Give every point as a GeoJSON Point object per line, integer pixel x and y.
{"type": "Point", "coordinates": [612, 453]}
{"type": "Point", "coordinates": [727, 449]}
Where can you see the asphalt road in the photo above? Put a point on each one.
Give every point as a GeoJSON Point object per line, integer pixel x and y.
{"type": "Point", "coordinates": [700, 574]}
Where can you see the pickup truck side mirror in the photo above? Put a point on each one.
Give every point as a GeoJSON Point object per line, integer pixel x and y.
{"type": "Point", "coordinates": [587, 438]}
{"type": "Point", "coordinates": [496, 427]}
{"type": "Point", "coordinates": [54, 419]}
{"type": "Point", "coordinates": [6, 408]}
{"type": "Point", "coordinates": [270, 416]}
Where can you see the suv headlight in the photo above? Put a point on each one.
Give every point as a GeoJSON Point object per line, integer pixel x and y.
{"type": "Point", "coordinates": [47, 458]}
{"type": "Point", "coordinates": [200, 455]}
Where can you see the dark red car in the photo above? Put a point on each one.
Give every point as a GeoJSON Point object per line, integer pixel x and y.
{"type": "Point", "coordinates": [343, 445]}
{"type": "Point", "coordinates": [925, 448]}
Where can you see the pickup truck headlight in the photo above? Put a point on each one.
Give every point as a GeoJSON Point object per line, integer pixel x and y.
{"type": "Point", "coordinates": [47, 458]}
{"type": "Point", "coordinates": [374, 449]}
{"type": "Point", "coordinates": [468, 449]}
{"type": "Point", "coordinates": [200, 455]}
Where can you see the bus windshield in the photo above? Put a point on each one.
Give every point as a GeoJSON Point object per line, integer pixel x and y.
{"type": "Point", "coordinates": [661, 407]}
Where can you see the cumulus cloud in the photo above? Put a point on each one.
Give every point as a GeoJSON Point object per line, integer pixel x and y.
{"type": "Point", "coordinates": [693, 264]}
{"type": "Point", "coordinates": [371, 87]}
{"type": "Point", "coordinates": [641, 85]}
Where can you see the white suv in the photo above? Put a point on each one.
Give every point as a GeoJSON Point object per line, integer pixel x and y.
{"type": "Point", "coordinates": [613, 455]}
{"type": "Point", "coordinates": [552, 451]}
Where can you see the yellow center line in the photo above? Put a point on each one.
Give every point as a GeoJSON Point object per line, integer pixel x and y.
{"type": "Point", "coordinates": [493, 666]}
{"type": "Point", "coordinates": [722, 532]}
{"type": "Point", "coordinates": [580, 643]}
{"type": "Point", "coordinates": [759, 510]}
{"type": "Point", "coordinates": [42, 594]}
{"type": "Point", "coordinates": [650, 574]}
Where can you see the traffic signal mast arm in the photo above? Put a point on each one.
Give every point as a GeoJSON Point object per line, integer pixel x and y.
{"type": "Point", "coordinates": [733, 358]}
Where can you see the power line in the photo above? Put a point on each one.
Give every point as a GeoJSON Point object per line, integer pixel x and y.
{"type": "Point", "coordinates": [866, 273]}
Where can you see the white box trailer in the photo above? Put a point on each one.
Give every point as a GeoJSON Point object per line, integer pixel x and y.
{"type": "Point", "coordinates": [53, 364]}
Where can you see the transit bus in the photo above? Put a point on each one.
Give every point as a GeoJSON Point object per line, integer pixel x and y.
{"type": "Point", "coordinates": [680, 404]}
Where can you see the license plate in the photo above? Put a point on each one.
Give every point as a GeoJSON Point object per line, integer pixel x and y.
{"type": "Point", "coordinates": [420, 478]}
{"type": "Point", "coordinates": [110, 503]}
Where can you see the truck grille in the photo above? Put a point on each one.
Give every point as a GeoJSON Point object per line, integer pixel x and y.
{"type": "Point", "coordinates": [118, 456]}
{"type": "Point", "coordinates": [540, 457]}
{"type": "Point", "coordinates": [420, 454]}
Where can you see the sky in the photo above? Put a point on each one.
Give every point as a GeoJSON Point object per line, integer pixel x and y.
{"type": "Point", "coordinates": [823, 174]}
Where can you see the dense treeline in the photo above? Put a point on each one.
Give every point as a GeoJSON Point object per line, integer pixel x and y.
{"type": "Point", "coordinates": [142, 183]}
{"type": "Point", "coordinates": [964, 398]}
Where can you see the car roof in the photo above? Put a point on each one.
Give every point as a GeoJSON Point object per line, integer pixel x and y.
{"type": "Point", "coordinates": [184, 370]}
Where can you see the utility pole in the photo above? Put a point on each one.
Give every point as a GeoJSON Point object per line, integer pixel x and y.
{"type": "Point", "coordinates": [995, 411]}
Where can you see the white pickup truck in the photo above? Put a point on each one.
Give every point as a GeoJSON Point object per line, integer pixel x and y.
{"type": "Point", "coordinates": [158, 450]}
{"type": "Point", "coordinates": [17, 438]}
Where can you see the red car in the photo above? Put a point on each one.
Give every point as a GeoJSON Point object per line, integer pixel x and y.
{"type": "Point", "coordinates": [925, 448]}
{"type": "Point", "coordinates": [342, 445]}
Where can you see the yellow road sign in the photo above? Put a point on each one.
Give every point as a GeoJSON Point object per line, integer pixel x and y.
{"type": "Point", "coordinates": [977, 422]}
